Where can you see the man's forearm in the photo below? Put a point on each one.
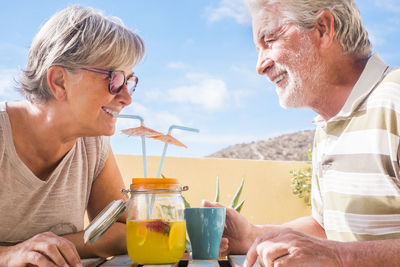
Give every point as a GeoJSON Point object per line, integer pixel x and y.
{"type": "Point", "coordinates": [370, 253]}
{"type": "Point", "coordinates": [307, 225]}
{"type": "Point", "coordinates": [304, 224]}
{"type": "Point", "coordinates": [112, 242]}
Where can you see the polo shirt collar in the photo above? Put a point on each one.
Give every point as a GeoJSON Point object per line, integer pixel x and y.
{"type": "Point", "coordinates": [372, 74]}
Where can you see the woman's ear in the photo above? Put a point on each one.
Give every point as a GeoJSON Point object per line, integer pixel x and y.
{"type": "Point", "coordinates": [56, 79]}
{"type": "Point", "coordinates": [326, 28]}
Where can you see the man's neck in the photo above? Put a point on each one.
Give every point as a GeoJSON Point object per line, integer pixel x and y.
{"type": "Point", "coordinates": [343, 74]}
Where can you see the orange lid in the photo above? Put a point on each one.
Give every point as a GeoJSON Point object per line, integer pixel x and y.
{"type": "Point", "coordinates": [154, 181]}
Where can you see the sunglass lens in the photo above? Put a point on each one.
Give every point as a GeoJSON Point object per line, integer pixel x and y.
{"type": "Point", "coordinates": [131, 84]}
{"type": "Point", "coordinates": [117, 82]}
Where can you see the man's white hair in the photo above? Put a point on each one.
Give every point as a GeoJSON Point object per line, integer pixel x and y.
{"type": "Point", "coordinates": [349, 29]}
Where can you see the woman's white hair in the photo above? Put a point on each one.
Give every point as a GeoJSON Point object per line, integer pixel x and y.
{"type": "Point", "coordinates": [78, 37]}
{"type": "Point", "coordinates": [349, 29]}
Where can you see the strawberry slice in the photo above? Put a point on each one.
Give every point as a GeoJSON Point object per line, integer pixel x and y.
{"type": "Point", "coordinates": [158, 226]}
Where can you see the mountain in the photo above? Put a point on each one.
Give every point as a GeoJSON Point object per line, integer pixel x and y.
{"type": "Point", "coordinates": [290, 147]}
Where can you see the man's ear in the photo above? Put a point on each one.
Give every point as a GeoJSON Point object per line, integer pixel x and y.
{"type": "Point", "coordinates": [326, 28]}
{"type": "Point", "coordinates": [56, 79]}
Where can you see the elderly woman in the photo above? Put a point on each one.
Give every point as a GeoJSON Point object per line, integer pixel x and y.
{"type": "Point", "coordinates": [55, 159]}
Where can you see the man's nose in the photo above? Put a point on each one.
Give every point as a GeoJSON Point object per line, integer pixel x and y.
{"type": "Point", "coordinates": [264, 62]}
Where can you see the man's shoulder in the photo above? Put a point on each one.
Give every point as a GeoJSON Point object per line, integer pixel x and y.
{"type": "Point", "coordinates": [393, 76]}
{"type": "Point", "coordinates": [389, 86]}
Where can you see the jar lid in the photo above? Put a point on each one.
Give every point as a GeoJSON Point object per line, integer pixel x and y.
{"type": "Point", "coordinates": [156, 185]}
{"type": "Point", "coordinates": [104, 220]}
{"type": "Point", "coordinates": [154, 181]}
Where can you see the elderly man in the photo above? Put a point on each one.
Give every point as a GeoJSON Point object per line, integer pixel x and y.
{"type": "Point", "coordinates": [318, 55]}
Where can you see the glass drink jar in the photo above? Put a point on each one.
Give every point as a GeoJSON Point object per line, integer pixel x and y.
{"type": "Point", "coordinates": [156, 228]}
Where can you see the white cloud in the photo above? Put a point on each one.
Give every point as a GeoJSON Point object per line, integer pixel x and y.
{"type": "Point", "coordinates": [227, 139]}
{"type": "Point", "coordinates": [153, 95]}
{"type": "Point", "coordinates": [7, 85]}
{"type": "Point", "coordinates": [13, 52]}
{"type": "Point", "coordinates": [388, 5]}
{"type": "Point", "coordinates": [210, 93]}
{"type": "Point", "coordinates": [207, 92]}
{"type": "Point", "coordinates": [156, 120]}
{"type": "Point", "coordinates": [6, 79]}
{"type": "Point", "coordinates": [177, 65]}
{"type": "Point", "coordinates": [229, 9]}
{"type": "Point", "coordinates": [375, 37]}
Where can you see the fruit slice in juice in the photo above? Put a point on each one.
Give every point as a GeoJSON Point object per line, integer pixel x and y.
{"type": "Point", "coordinates": [156, 241]}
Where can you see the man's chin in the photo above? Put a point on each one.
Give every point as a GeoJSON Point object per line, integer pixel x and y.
{"type": "Point", "coordinates": [287, 103]}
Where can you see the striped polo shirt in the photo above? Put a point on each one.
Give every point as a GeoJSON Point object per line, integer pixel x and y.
{"type": "Point", "coordinates": [356, 178]}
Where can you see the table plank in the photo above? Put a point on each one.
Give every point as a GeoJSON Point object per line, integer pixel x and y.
{"type": "Point", "coordinates": [122, 260]}
{"type": "Point", "coordinates": [92, 262]}
{"type": "Point", "coordinates": [238, 260]}
{"type": "Point", "coordinates": [125, 261]}
{"type": "Point", "coordinates": [203, 263]}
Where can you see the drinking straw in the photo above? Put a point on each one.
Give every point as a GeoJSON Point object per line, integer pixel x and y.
{"type": "Point", "coordinates": [168, 139]}
{"type": "Point", "coordinates": [172, 141]}
{"type": "Point", "coordinates": [142, 132]}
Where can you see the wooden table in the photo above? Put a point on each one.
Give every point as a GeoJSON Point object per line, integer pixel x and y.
{"type": "Point", "coordinates": [125, 261]}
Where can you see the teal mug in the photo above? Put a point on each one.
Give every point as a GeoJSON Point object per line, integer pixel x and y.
{"type": "Point", "coordinates": [205, 227]}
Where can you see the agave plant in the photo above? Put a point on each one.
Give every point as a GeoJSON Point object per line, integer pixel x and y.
{"type": "Point", "coordinates": [235, 204]}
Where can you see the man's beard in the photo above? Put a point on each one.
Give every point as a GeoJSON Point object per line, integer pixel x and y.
{"type": "Point", "coordinates": [302, 78]}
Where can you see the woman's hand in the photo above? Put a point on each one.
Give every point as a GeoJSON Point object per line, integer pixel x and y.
{"type": "Point", "coordinates": [238, 233]}
{"type": "Point", "coordinates": [45, 249]}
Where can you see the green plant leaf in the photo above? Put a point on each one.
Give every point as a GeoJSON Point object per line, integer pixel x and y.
{"type": "Point", "coordinates": [309, 154]}
{"type": "Point", "coordinates": [217, 190]}
{"type": "Point", "coordinates": [235, 199]}
{"type": "Point", "coordinates": [187, 204]}
{"type": "Point", "coordinates": [301, 181]}
{"type": "Point", "coordinates": [188, 246]}
{"type": "Point", "coordinates": [238, 208]}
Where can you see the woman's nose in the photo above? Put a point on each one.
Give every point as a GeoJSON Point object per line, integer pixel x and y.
{"type": "Point", "coordinates": [124, 96]}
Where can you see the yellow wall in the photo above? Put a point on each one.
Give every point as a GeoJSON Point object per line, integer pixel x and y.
{"type": "Point", "coordinates": [267, 192]}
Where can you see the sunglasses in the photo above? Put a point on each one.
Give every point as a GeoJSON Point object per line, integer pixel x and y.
{"type": "Point", "coordinates": [117, 80]}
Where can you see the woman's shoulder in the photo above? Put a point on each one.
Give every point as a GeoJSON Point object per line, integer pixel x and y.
{"type": "Point", "coordinates": [96, 147]}
{"type": "Point", "coordinates": [97, 142]}
{"type": "Point", "coordinates": [96, 151]}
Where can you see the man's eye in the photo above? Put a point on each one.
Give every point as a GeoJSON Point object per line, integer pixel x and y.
{"type": "Point", "coordinates": [268, 42]}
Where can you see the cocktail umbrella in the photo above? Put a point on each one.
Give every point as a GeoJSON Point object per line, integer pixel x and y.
{"type": "Point", "coordinates": [169, 139]}
{"type": "Point", "coordinates": [141, 131]}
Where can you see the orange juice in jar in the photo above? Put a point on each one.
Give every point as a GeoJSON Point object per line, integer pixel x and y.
{"type": "Point", "coordinates": [158, 240]}
{"type": "Point", "coordinates": [156, 229]}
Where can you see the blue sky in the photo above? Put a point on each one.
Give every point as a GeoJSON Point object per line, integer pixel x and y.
{"type": "Point", "coordinates": [199, 70]}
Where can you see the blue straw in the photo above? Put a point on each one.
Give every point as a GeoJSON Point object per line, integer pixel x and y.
{"type": "Point", "coordinates": [184, 128]}
{"type": "Point", "coordinates": [143, 139]}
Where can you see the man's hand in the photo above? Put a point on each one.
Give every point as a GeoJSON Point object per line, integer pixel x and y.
{"type": "Point", "coordinates": [238, 232]}
{"type": "Point", "coordinates": [287, 247]}
{"type": "Point", "coordinates": [45, 249]}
